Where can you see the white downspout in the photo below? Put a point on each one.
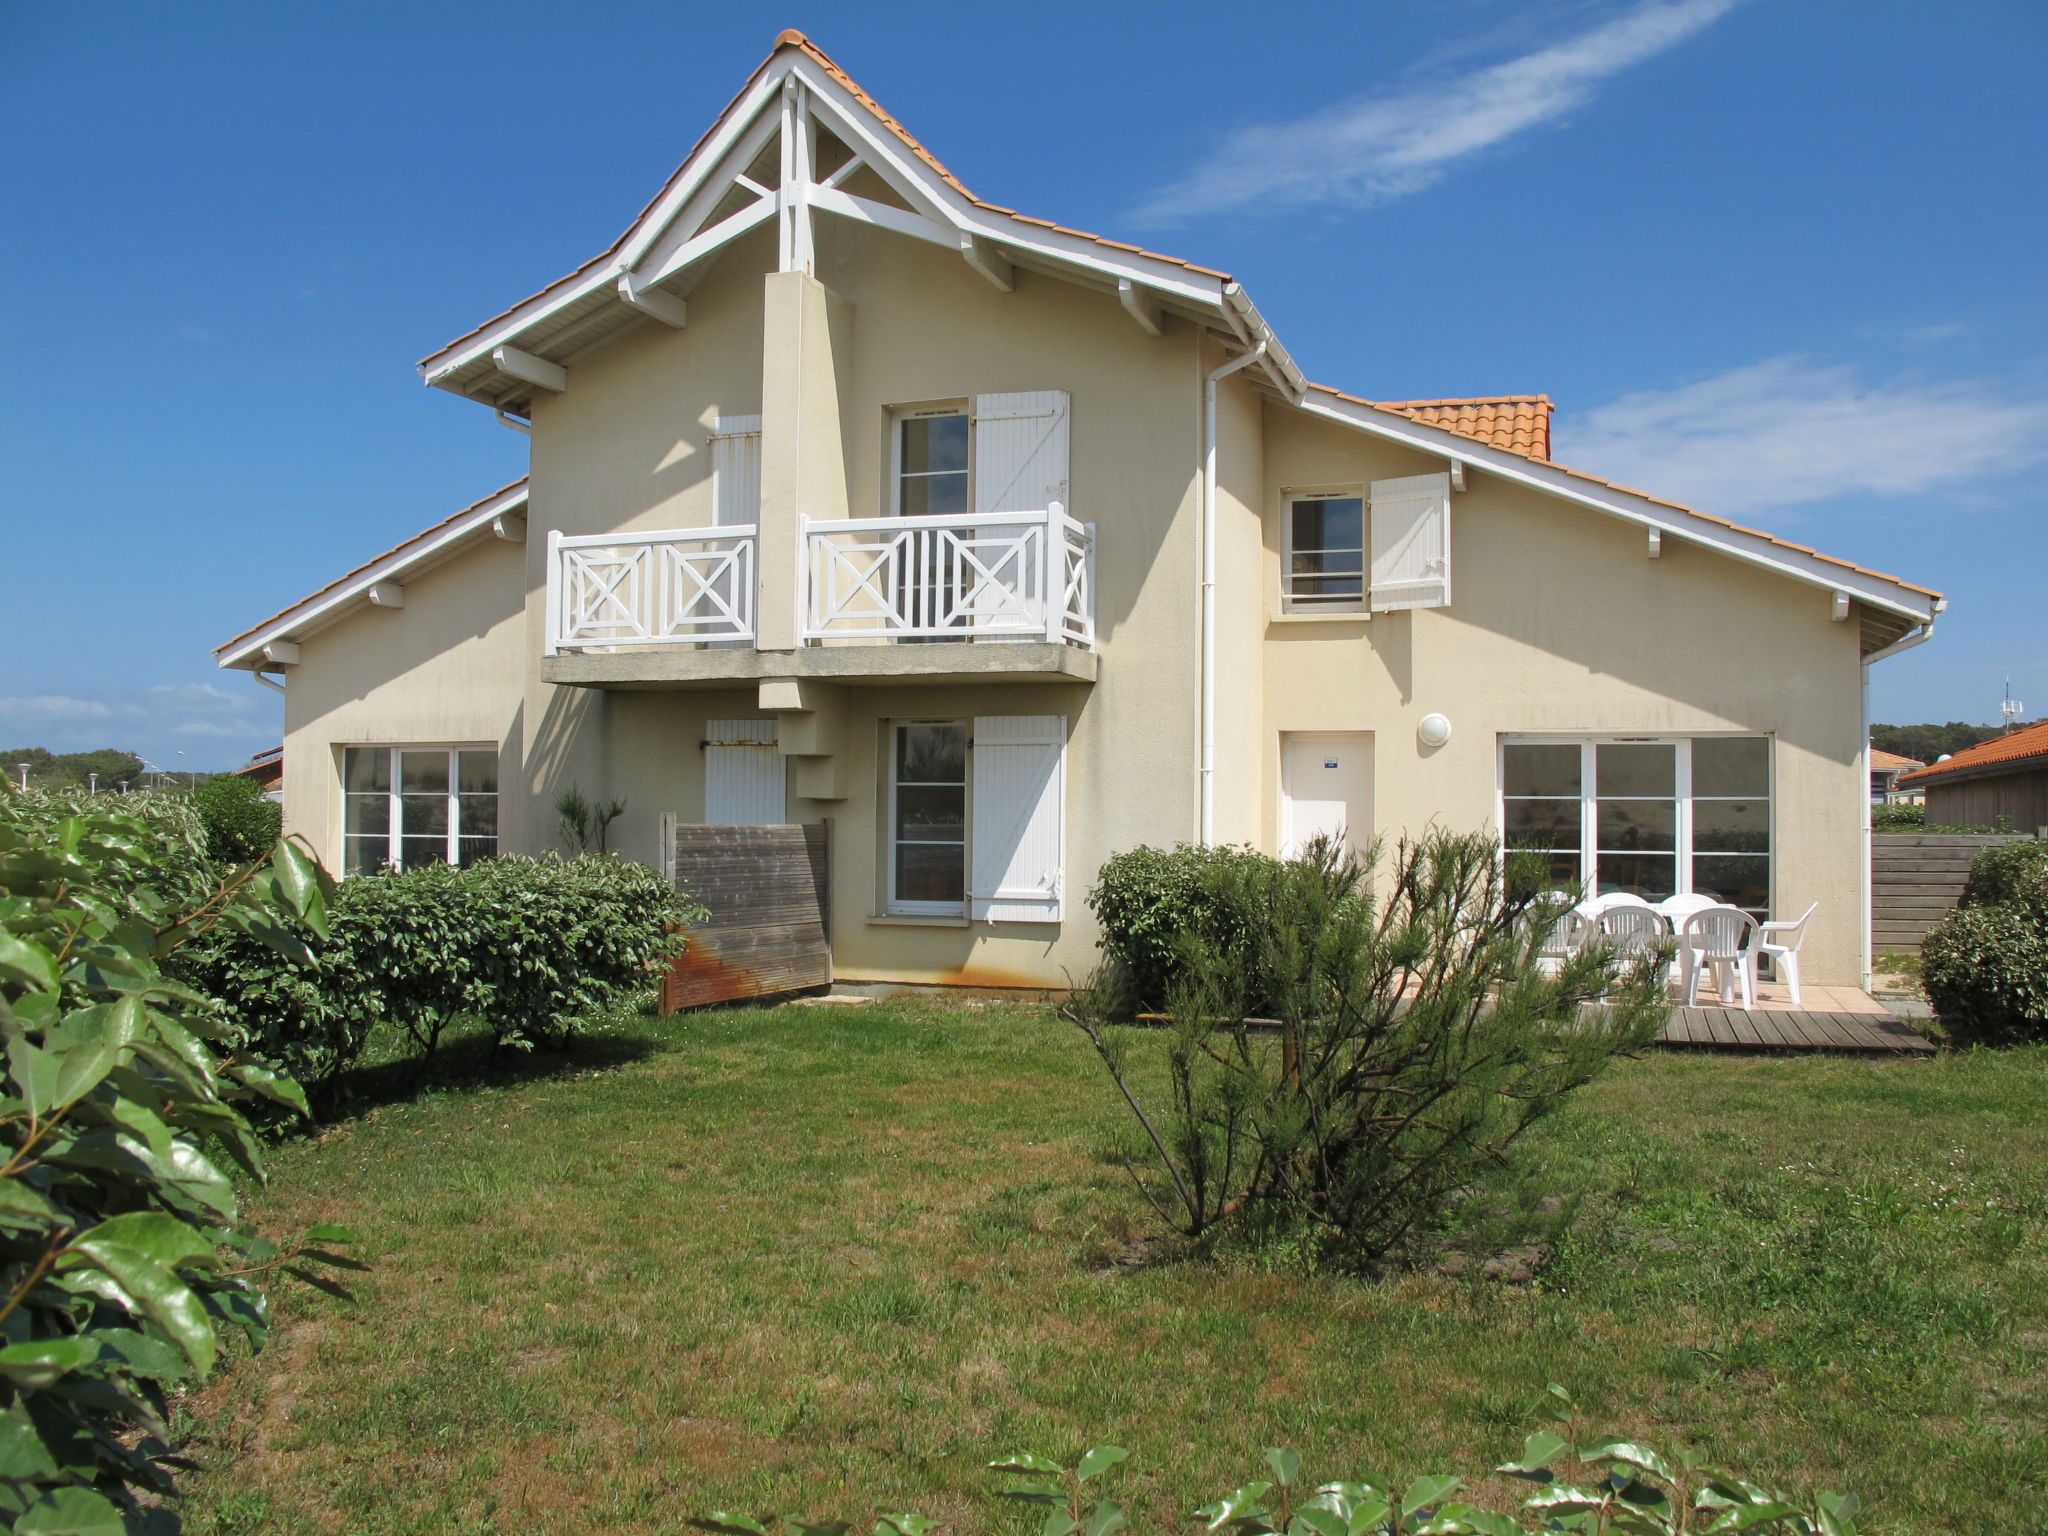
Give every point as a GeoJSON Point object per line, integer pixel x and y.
{"type": "Point", "coordinates": [267, 681]}
{"type": "Point", "coordinates": [1208, 536]}
{"type": "Point", "coordinates": [1919, 636]}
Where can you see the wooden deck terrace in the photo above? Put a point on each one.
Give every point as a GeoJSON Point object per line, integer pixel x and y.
{"type": "Point", "coordinates": [1828, 1019]}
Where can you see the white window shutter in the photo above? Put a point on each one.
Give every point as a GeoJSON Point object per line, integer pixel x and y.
{"type": "Point", "coordinates": [736, 469]}
{"type": "Point", "coordinates": [745, 774]}
{"type": "Point", "coordinates": [1020, 451]}
{"type": "Point", "coordinates": [1018, 838]}
{"type": "Point", "coordinates": [1411, 542]}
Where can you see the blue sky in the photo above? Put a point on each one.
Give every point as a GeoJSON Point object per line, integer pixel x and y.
{"type": "Point", "coordinates": [1778, 258]}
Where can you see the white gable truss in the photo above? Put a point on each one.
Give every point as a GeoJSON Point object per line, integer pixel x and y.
{"type": "Point", "coordinates": [761, 162]}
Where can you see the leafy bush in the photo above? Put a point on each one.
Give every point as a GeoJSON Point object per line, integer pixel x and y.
{"type": "Point", "coordinates": [1898, 818]}
{"type": "Point", "coordinates": [1986, 972]}
{"type": "Point", "coordinates": [1415, 1040]}
{"type": "Point", "coordinates": [120, 1255]}
{"type": "Point", "coordinates": [1152, 902]}
{"type": "Point", "coordinates": [2014, 875]}
{"type": "Point", "coordinates": [1610, 1484]}
{"type": "Point", "coordinates": [241, 825]}
{"type": "Point", "coordinates": [527, 944]}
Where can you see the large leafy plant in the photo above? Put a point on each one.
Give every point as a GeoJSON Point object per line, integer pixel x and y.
{"type": "Point", "coordinates": [1605, 1487]}
{"type": "Point", "coordinates": [123, 1264]}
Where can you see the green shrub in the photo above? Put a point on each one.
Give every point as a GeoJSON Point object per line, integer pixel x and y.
{"type": "Point", "coordinates": [1985, 969]}
{"type": "Point", "coordinates": [1152, 902]}
{"type": "Point", "coordinates": [2014, 875]}
{"type": "Point", "coordinates": [1898, 818]}
{"type": "Point", "coordinates": [529, 945]}
{"type": "Point", "coordinates": [241, 825]}
{"type": "Point", "coordinates": [1415, 1040]}
{"type": "Point", "coordinates": [1610, 1484]}
{"type": "Point", "coordinates": [122, 1260]}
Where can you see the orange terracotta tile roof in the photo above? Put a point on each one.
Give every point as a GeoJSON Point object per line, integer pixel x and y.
{"type": "Point", "coordinates": [1518, 423]}
{"type": "Point", "coordinates": [2029, 741]}
{"type": "Point", "coordinates": [1664, 501]}
{"type": "Point", "coordinates": [419, 538]}
{"type": "Point", "coordinates": [1892, 762]}
{"type": "Point", "coordinates": [791, 38]}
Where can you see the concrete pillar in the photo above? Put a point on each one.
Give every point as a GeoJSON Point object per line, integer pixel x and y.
{"type": "Point", "coordinates": [806, 337]}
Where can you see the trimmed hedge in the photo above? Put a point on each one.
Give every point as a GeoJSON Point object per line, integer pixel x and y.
{"type": "Point", "coordinates": [1985, 965]}
{"type": "Point", "coordinates": [241, 824]}
{"type": "Point", "coordinates": [1151, 901]}
{"type": "Point", "coordinates": [528, 945]}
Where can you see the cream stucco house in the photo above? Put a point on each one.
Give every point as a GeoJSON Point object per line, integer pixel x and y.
{"type": "Point", "coordinates": [1005, 547]}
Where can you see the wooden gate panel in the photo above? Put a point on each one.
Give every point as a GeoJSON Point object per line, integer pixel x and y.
{"type": "Point", "coordinates": [766, 891]}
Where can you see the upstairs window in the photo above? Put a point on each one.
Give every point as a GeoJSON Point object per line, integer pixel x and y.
{"type": "Point", "coordinates": [932, 458]}
{"type": "Point", "coordinates": [1325, 551]}
{"type": "Point", "coordinates": [413, 805]}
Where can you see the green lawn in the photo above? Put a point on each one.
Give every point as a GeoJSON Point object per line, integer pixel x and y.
{"type": "Point", "coordinates": [824, 1259]}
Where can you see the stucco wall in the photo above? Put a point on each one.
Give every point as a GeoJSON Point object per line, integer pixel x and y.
{"type": "Point", "coordinates": [447, 667]}
{"type": "Point", "coordinates": [1560, 623]}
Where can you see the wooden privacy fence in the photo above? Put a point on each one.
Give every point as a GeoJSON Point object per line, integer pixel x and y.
{"type": "Point", "coordinates": [1916, 879]}
{"type": "Point", "coordinates": [765, 888]}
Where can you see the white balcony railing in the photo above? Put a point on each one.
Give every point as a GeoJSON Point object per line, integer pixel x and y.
{"type": "Point", "coordinates": [988, 574]}
{"type": "Point", "coordinates": [669, 588]}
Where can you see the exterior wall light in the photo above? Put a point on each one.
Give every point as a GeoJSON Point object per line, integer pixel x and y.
{"type": "Point", "coordinates": [1433, 730]}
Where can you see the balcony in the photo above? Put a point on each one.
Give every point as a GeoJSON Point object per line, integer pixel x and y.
{"type": "Point", "coordinates": [993, 596]}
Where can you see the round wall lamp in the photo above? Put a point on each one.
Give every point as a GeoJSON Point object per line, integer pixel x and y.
{"type": "Point", "coordinates": [1433, 730]}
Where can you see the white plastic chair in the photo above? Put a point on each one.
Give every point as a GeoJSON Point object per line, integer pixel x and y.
{"type": "Point", "coordinates": [1566, 931]}
{"type": "Point", "coordinates": [1723, 940]}
{"type": "Point", "coordinates": [1781, 942]}
{"type": "Point", "coordinates": [1631, 927]}
{"type": "Point", "coordinates": [1678, 908]}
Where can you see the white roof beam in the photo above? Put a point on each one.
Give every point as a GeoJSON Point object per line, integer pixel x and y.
{"type": "Point", "coordinates": [386, 594]}
{"type": "Point", "coordinates": [665, 307]}
{"type": "Point", "coordinates": [988, 261]}
{"type": "Point", "coordinates": [537, 371]}
{"type": "Point", "coordinates": [1142, 306]}
{"type": "Point", "coordinates": [698, 246]}
{"type": "Point", "coordinates": [281, 653]}
{"type": "Point", "coordinates": [864, 211]}
{"type": "Point", "coordinates": [509, 526]}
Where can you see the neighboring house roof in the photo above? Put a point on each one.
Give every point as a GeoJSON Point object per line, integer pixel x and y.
{"type": "Point", "coordinates": [2022, 751]}
{"type": "Point", "coordinates": [495, 515]}
{"type": "Point", "coordinates": [266, 767]}
{"type": "Point", "coordinates": [642, 276]}
{"type": "Point", "coordinates": [1518, 423]}
{"type": "Point", "coordinates": [1891, 762]}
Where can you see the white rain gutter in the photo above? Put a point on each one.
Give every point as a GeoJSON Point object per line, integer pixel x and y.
{"type": "Point", "coordinates": [1207, 826]}
{"type": "Point", "coordinates": [1904, 643]}
{"type": "Point", "coordinates": [267, 681]}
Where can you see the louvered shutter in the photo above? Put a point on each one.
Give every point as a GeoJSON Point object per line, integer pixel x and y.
{"type": "Point", "coordinates": [745, 774]}
{"type": "Point", "coordinates": [1411, 542]}
{"type": "Point", "coordinates": [1020, 451]}
{"type": "Point", "coordinates": [736, 469]}
{"type": "Point", "coordinates": [1018, 840]}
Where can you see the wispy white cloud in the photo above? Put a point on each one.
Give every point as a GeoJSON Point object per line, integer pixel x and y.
{"type": "Point", "coordinates": [1789, 430]}
{"type": "Point", "coordinates": [53, 706]}
{"type": "Point", "coordinates": [1387, 146]}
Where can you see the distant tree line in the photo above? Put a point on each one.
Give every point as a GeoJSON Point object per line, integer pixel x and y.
{"type": "Point", "coordinates": [1928, 742]}
{"type": "Point", "coordinates": [72, 770]}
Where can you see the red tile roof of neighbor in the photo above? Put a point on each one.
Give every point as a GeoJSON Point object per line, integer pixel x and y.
{"type": "Point", "coordinates": [1518, 423]}
{"type": "Point", "coordinates": [1892, 762]}
{"type": "Point", "coordinates": [2029, 741]}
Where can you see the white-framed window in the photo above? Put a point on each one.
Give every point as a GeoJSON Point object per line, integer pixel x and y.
{"type": "Point", "coordinates": [975, 818]}
{"type": "Point", "coordinates": [1325, 550]}
{"type": "Point", "coordinates": [404, 806]}
{"type": "Point", "coordinates": [931, 460]}
{"type": "Point", "coordinates": [927, 817]}
{"type": "Point", "coordinates": [1653, 816]}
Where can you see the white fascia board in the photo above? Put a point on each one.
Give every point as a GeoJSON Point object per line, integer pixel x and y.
{"type": "Point", "coordinates": [315, 612]}
{"type": "Point", "coordinates": [652, 245]}
{"type": "Point", "coordinates": [1755, 548]}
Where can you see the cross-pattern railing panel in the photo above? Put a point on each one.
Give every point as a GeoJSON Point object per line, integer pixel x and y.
{"type": "Point", "coordinates": [984, 575]}
{"type": "Point", "coordinates": [674, 587]}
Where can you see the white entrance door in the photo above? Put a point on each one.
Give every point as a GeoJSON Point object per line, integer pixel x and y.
{"type": "Point", "coordinates": [745, 774]}
{"type": "Point", "coordinates": [1325, 786]}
